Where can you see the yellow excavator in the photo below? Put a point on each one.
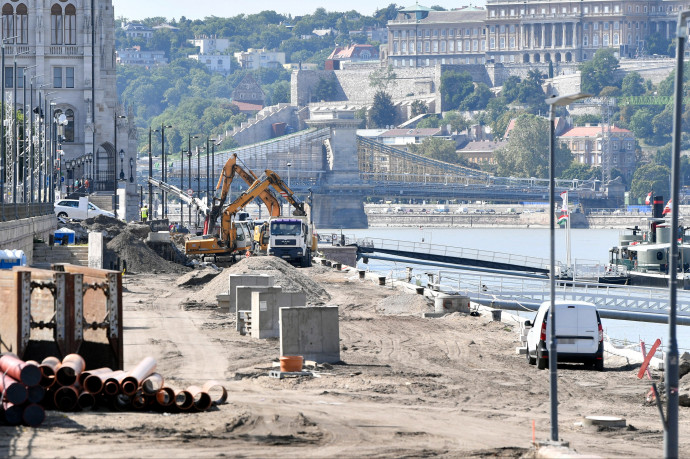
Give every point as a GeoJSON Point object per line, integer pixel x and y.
{"type": "Point", "coordinates": [235, 236]}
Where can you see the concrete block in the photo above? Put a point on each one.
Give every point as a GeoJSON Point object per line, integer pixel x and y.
{"type": "Point", "coordinates": [312, 332]}
{"type": "Point", "coordinates": [223, 301]}
{"type": "Point", "coordinates": [96, 250]}
{"type": "Point", "coordinates": [246, 279]}
{"type": "Point", "coordinates": [265, 306]}
{"type": "Point", "coordinates": [243, 298]}
{"type": "Point", "coordinates": [160, 236]}
{"type": "Point", "coordinates": [445, 303]}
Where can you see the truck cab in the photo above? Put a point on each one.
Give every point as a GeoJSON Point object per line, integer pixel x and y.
{"type": "Point", "coordinates": [290, 239]}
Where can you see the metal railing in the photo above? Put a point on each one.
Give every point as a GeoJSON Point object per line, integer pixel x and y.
{"type": "Point", "coordinates": [9, 212]}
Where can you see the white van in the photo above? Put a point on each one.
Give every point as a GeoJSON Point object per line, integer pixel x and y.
{"type": "Point", "coordinates": [580, 336]}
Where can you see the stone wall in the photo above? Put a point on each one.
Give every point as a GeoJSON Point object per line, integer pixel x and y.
{"type": "Point", "coordinates": [259, 128]}
{"type": "Point", "coordinates": [19, 234]}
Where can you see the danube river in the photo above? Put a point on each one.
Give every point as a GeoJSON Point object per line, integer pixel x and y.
{"type": "Point", "coordinates": [588, 246]}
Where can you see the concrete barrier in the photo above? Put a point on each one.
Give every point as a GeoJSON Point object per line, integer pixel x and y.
{"type": "Point", "coordinates": [243, 300]}
{"type": "Point", "coordinates": [265, 311]}
{"type": "Point", "coordinates": [312, 332]}
{"type": "Point", "coordinates": [96, 250]}
{"type": "Point", "coordinates": [246, 279]}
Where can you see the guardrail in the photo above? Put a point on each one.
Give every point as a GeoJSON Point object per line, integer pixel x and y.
{"type": "Point", "coordinates": [19, 211]}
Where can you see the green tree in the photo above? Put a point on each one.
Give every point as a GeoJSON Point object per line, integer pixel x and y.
{"type": "Point", "coordinates": [633, 84]}
{"type": "Point", "coordinates": [456, 121]}
{"type": "Point", "coordinates": [382, 112]}
{"type": "Point", "coordinates": [455, 87]}
{"type": "Point", "coordinates": [511, 88]}
{"type": "Point", "coordinates": [429, 122]}
{"type": "Point", "coordinates": [650, 177]}
{"type": "Point", "coordinates": [599, 72]}
{"type": "Point", "coordinates": [418, 107]}
{"type": "Point", "coordinates": [478, 99]}
{"type": "Point", "coordinates": [527, 151]}
{"type": "Point", "coordinates": [590, 118]}
{"type": "Point", "coordinates": [581, 171]}
{"type": "Point", "coordinates": [326, 89]}
{"type": "Point", "coordinates": [436, 148]}
{"type": "Point", "coordinates": [640, 123]}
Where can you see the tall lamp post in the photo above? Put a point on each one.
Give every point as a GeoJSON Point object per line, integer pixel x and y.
{"type": "Point", "coordinates": [122, 165]}
{"type": "Point", "coordinates": [189, 183]}
{"type": "Point", "coordinates": [189, 151]}
{"type": "Point", "coordinates": [555, 101]}
{"type": "Point", "coordinates": [671, 363]}
{"type": "Point", "coordinates": [164, 174]}
{"type": "Point", "coordinates": [115, 118]}
{"type": "Point", "coordinates": [150, 175]}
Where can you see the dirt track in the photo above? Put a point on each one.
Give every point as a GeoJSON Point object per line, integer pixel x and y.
{"type": "Point", "coordinates": [408, 387]}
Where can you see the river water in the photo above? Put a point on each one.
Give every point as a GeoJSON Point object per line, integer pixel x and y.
{"type": "Point", "coordinates": [588, 246]}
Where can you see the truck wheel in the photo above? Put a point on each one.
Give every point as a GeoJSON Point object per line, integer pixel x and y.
{"type": "Point", "coordinates": [308, 257]}
{"type": "Point", "coordinates": [599, 365]}
{"type": "Point", "coordinates": [530, 359]}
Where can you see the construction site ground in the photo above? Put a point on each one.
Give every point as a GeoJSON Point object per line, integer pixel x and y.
{"type": "Point", "coordinates": [407, 386]}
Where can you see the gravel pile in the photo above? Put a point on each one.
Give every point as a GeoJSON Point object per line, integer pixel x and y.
{"type": "Point", "coordinates": [284, 274]}
{"type": "Point", "coordinates": [139, 257]}
{"type": "Point", "coordinates": [197, 277]}
{"type": "Point", "coordinates": [110, 226]}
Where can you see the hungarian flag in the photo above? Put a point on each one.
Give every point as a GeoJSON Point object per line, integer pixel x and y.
{"type": "Point", "coordinates": [648, 201]}
{"type": "Point", "coordinates": [667, 209]}
{"type": "Point", "coordinates": [562, 219]}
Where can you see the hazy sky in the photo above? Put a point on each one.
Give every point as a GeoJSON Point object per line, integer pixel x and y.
{"type": "Point", "coordinates": [199, 9]}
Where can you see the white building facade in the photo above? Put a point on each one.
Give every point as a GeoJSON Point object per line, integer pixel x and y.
{"type": "Point", "coordinates": [67, 67]}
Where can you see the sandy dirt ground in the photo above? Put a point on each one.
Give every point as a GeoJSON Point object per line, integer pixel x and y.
{"type": "Point", "coordinates": [407, 387]}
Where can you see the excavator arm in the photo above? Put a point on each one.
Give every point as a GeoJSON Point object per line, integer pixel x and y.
{"type": "Point", "coordinates": [277, 183]}
{"type": "Point", "coordinates": [225, 180]}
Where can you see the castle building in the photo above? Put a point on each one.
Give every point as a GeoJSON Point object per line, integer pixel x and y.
{"type": "Point", "coordinates": [59, 56]}
{"type": "Point", "coordinates": [528, 31]}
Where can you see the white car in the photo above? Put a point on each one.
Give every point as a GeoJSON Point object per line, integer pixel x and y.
{"type": "Point", "coordinates": [580, 336]}
{"type": "Point", "coordinates": [70, 208]}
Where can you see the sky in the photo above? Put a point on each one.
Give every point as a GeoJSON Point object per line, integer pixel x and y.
{"type": "Point", "coordinates": [199, 9]}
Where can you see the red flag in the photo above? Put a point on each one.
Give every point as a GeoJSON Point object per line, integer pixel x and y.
{"type": "Point", "coordinates": [648, 201]}
{"type": "Point", "coordinates": [667, 209]}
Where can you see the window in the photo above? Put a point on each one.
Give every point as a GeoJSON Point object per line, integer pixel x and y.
{"type": "Point", "coordinates": [637, 9]}
{"type": "Point", "coordinates": [70, 25]}
{"type": "Point", "coordinates": [467, 45]}
{"type": "Point", "coordinates": [395, 47]}
{"type": "Point", "coordinates": [475, 45]}
{"type": "Point", "coordinates": [9, 77]}
{"type": "Point", "coordinates": [56, 26]}
{"type": "Point", "coordinates": [57, 77]}
{"type": "Point", "coordinates": [22, 24]}
{"type": "Point", "coordinates": [467, 32]}
{"type": "Point", "coordinates": [586, 9]}
{"type": "Point", "coordinates": [443, 32]}
{"type": "Point", "coordinates": [483, 45]}
{"type": "Point", "coordinates": [585, 26]}
{"type": "Point", "coordinates": [606, 8]}
{"type": "Point", "coordinates": [426, 33]}
{"type": "Point", "coordinates": [595, 40]}
{"type": "Point", "coordinates": [585, 41]}
{"type": "Point", "coordinates": [403, 47]}
{"type": "Point", "coordinates": [596, 9]}
{"type": "Point", "coordinates": [564, 10]}
{"type": "Point", "coordinates": [502, 29]}
{"type": "Point", "coordinates": [502, 43]}
{"type": "Point", "coordinates": [606, 26]}
{"type": "Point", "coordinates": [435, 32]}
{"type": "Point", "coordinates": [512, 28]}
{"type": "Point", "coordinates": [427, 47]}
{"type": "Point", "coordinates": [615, 39]}
{"type": "Point", "coordinates": [512, 12]}
{"type": "Point", "coordinates": [616, 25]}
{"type": "Point", "coordinates": [512, 42]}
{"type": "Point", "coordinates": [451, 46]}
{"type": "Point", "coordinates": [395, 34]}
{"type": "Point", "coordinates": [412, 47]}
{"type": "Point", "coordinates": [512, 58]}
{"type": "Point", "coordinates": [8, 23]}
{"type": "Point", "coordinates": [492, 43]}
{"type": "Point", "coordinates": [443, 46]}
{"type": "Point", "coordinates": [69, 127]}
{"type": "Point", "coordinates": [605, 41]}
{"type": "Point", "coordinates": [493, 13]}
{"type": "Point", "coordinates": [435, 46]}
{"type": "Point", "coordinates": [595, 26]}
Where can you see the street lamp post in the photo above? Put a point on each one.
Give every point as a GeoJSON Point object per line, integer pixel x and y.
{"type": "Point", "coordinates": [189, 182]}
{"type": "Point", "coordinates": [115, 118]}
{"type": "Point", "coordinates": [164, 174]}
{"type": "Point", "coordinates": [150, 175]}
{"type": "Point", "coordinates": [131, 170]}
{"type": "Point", "coordinates": [182, 155]}
{"type": "Point", "coordinates": [122, 165]}
{"type": "Point", "coordinates": [671, 363]}
{"type": "Point", "coordinates": [554, 102]}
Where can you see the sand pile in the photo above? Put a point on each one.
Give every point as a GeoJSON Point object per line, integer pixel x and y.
{"type": "Point", "coordinates": [139, 257]}
{"type": "Point", "coordinates": [197, 277]}
{"type": "Point", "coordinates": [404, 304]}
{"type": "Point", "coordinates": [284, 274]}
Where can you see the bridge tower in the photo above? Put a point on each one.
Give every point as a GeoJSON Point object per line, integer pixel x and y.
{"type": "Point", "coordinates": [339, 197]}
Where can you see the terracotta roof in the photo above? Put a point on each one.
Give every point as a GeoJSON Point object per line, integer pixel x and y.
{"type": "Point", "coordinates": [592, 131]}
{"type": "Point", "coordinates": [353, 51]}
{"type": "Point", "coordinates": [483, 145]}
{"type": "Point", "coordinates": [510, 127]}
{"type": "Point", "coordinates": [247, 107]}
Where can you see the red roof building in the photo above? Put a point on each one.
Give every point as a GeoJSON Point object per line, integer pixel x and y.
{"type": "Point", "coordinates": [587, 143]}
{"type": "Point", "coordinates": [352, 53]}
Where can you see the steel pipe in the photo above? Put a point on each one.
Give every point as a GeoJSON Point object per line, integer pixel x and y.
{"type": "Point", "coordinates": [48, 367]}
{"type": "Point", "coordinates": [165, 397]}
{"type": "Point", "coordinates": [211, 388]}
{"type": "Point", "coordinates": [86, 400]}
{"type": "Point", "coordinates": [12, 413]}
{"type": "Point", "coordinates": [202, 401]}
{"type": "Point", "coordinates": [111, 385]}
{"type": "Point", "coordinates": [33, 415]}
{"type": "Point", "coordinates": [66, 398]}
{"type": "Point", "coordinates": [27, 373]}
{"type": "Point", "coordinates": [35, 394]}
{"type": "Point", "coordinates": [152, 384]}
{"type": "Point", "coordinates": [183, 400]}
{"type": "Point", "coordinates": [139, 400]}
{"type": "Point", "coordinates": [131, 383]}
{"type": "Point", "coordinates": [70, 369]}
{"type": "Point", "coordinates": [95, 379]}
{"type": "Point", "coordinates": [15, 392]}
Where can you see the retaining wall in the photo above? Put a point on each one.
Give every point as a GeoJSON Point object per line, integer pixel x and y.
{"type": "Point", "coordinates": [19, 234]}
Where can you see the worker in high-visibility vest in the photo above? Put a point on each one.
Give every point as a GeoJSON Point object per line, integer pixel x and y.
{"type": "Point", "coordinates": [144, 213]}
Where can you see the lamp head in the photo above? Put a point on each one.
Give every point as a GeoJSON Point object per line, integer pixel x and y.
{"type": "Point", "coordinates": [122, 154]}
